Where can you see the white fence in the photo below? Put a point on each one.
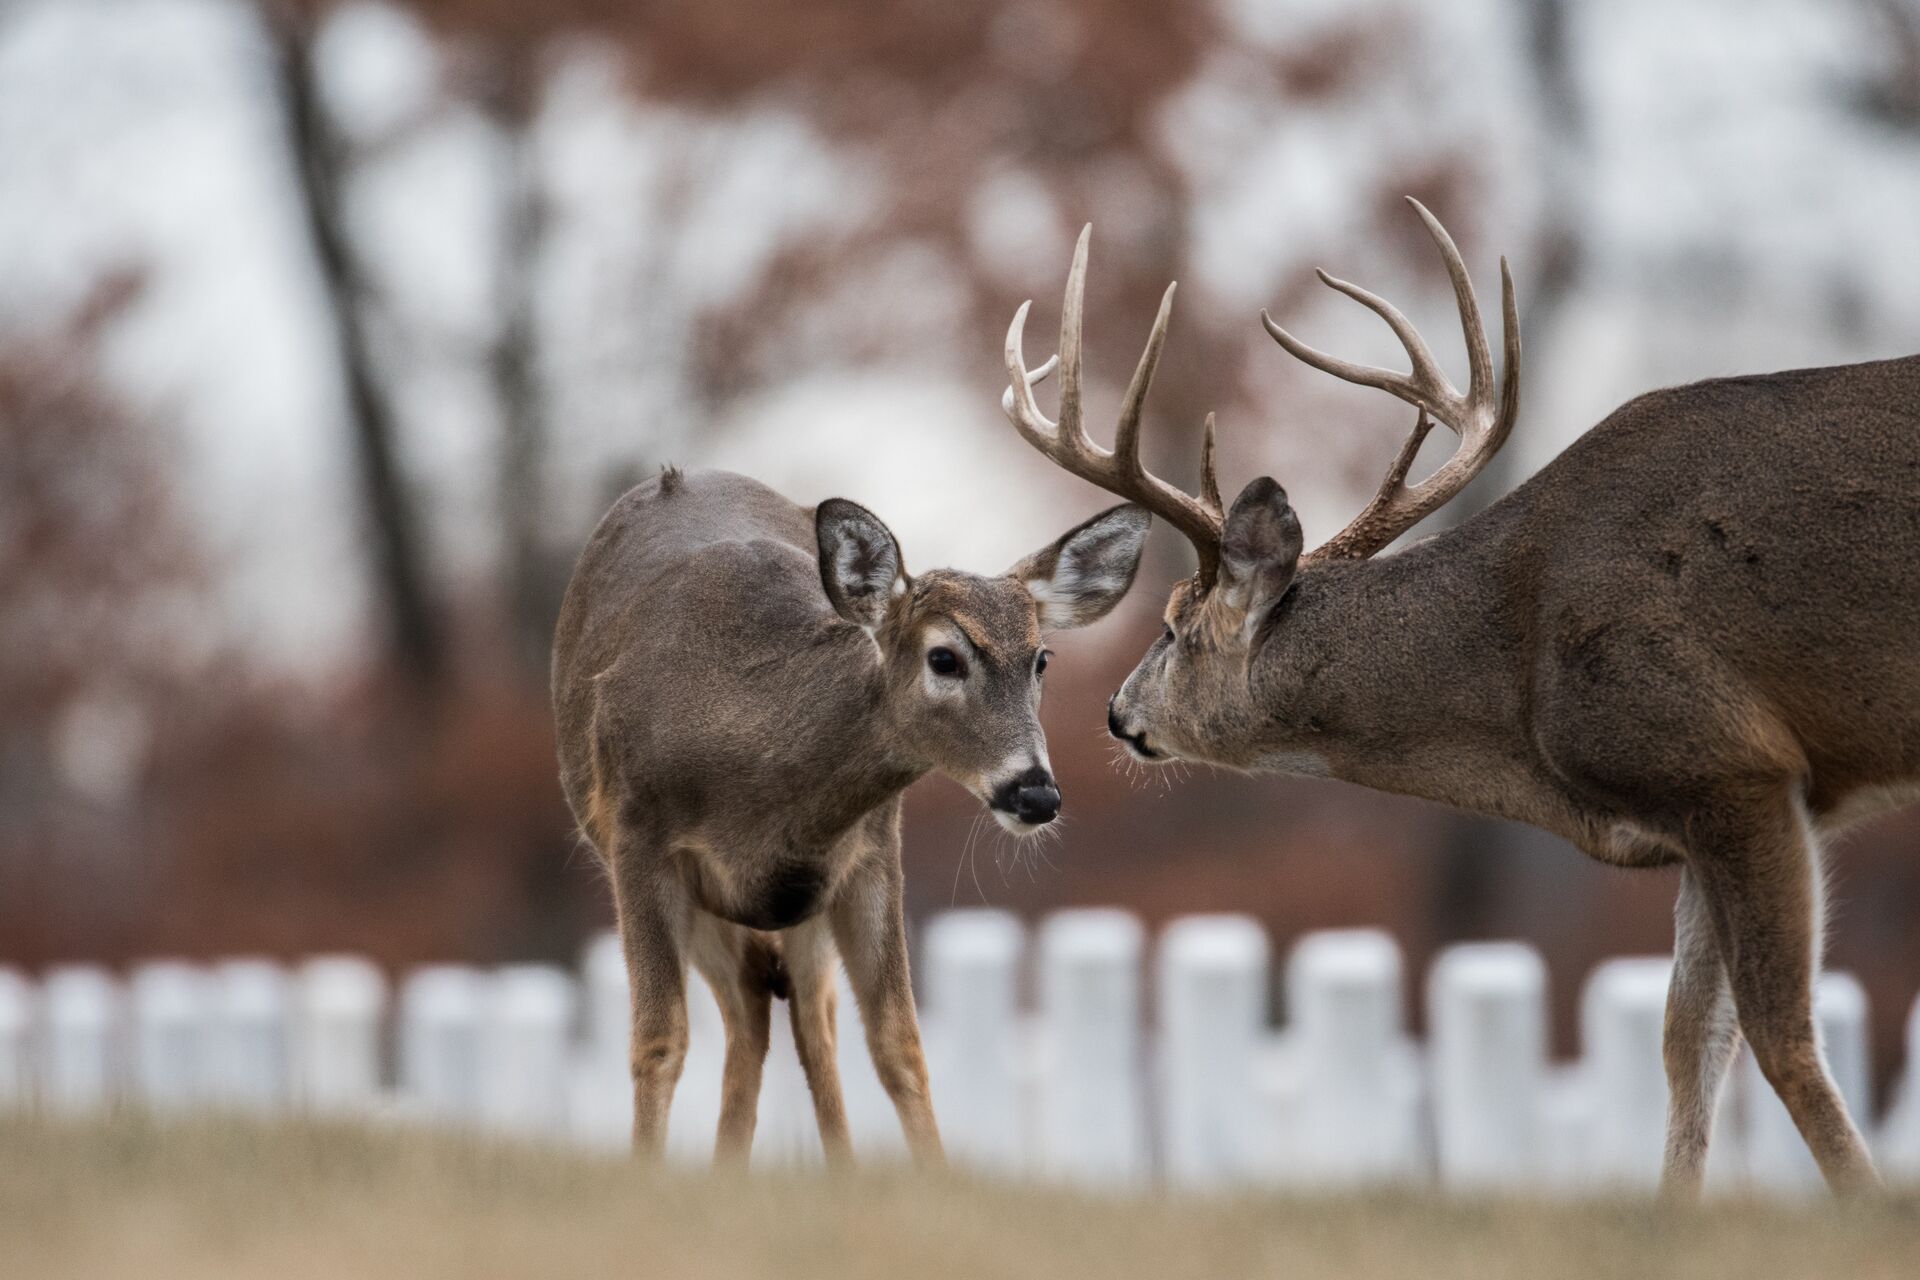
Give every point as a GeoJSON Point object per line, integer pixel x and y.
{"type": "Point", "coordinates": [1077, 1085]}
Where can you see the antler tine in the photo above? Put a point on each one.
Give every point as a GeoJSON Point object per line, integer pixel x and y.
{"type": "Point", "coordinates": [1126, 436]}
{"type": "Point", "coordinates": [1510, 359]}
{"type": "Point", "coordinates": [1479, 359]}
{"type": "Point", "coordinates": [1209, 479]}
{"type": "Point", "coordinates": [1034, 379]}
{"type": "Point", "coordinates": [1072, 324]}
{"type": "Point", "coordinates": [1365, 375]}
{"type": "Point", "coordinates": [1427, 380]}
{"type": "Point", "coordinates": [1481, 420]}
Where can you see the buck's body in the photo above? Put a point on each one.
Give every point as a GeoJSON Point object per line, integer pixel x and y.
{"type": "Point", "coordinates": [699, 660]}
{"type": "Point", "coordinates": [1719, 581]}
{"type": "Point", "coordinates": [1693, 638]}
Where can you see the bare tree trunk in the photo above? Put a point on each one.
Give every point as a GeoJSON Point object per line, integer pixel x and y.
{"type": "Point", "coordinates": [417, 636]}
{"type": "Point", "coordinates": [533, 582]}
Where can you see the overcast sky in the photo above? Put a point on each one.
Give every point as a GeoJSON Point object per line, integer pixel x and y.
{"type": "Point", "coordinates": [1735, 204]}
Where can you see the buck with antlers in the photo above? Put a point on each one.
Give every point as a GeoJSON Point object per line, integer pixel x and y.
{"type": "Point", "coordinates": [743, 687]}
{"type": "Point", "coordinates": [1693, 639]}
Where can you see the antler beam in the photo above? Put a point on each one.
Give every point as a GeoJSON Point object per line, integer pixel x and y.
{"type": "Point", "coordinates": [1119, 470]}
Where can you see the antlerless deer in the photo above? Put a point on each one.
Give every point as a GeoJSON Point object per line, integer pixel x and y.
{"type": "Point", "coordinates": [1692, 639]}
{"type": "Point", "coordinates": [743, 688]}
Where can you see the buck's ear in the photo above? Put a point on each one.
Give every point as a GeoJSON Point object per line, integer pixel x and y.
{"type": "Point", "coordinates": [1259, 549]}
{"type": "Point", "coordinates": [1082, 576]}
{"type": "Point", "coordinates": [859, 561]}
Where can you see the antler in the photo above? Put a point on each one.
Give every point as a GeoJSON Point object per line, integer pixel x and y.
{"type": "Point", "coordinates": [1481, 421]}
{"type": "Point", "coordinates": [1118, 471]}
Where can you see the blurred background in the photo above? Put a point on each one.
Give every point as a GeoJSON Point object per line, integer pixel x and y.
{"type": "Point", "coordinates": [328, 331]}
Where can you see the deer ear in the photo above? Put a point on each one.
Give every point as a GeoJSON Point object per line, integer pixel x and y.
{"type": "Point", "coordinates": [1259, 549]}
{"type": "Point", "coordinates": [859, 561]}
{"type": "Point", "coordinates": [1082, 576]}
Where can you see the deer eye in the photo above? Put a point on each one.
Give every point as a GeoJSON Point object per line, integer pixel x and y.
{"type": "Point", "coordinates": [1040, 662]}
{"type": "Point", "coordinates": [945, 662]}
{"type": "Point", "coordinates": [1169, 636]}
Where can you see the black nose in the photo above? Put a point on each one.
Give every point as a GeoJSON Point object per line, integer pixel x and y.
{"type": "Point", "coordinates": [1037, 805]}
{"type": "Point", "coordinates": [1113, 721]}
{"type": "Point", "coordinates": [1031, 797]}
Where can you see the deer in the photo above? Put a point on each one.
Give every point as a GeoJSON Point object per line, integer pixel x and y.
{"type": "Point", "coordinates": [743, 687]}
{"type": "Point", "coordinates": [1691, 640]}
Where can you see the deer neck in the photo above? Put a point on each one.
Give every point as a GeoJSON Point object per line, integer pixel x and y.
{"type": "Point", "coordinates": [1403, 673]}
{"type": "Point", "coordinates": [867, 758]}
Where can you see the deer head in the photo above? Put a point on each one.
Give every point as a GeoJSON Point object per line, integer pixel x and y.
{"type": "Point", "coordinates": [963, 652]}
{"type": "Point", "coordinates": [1190, 697]}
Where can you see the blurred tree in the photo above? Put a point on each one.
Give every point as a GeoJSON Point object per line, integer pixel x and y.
{"type": "Point", "coordinates": [1890, 90]}
{"type": "Point", "coordinates": [101, 588]}
{"type": "Point", "coordinates": [319, 157]}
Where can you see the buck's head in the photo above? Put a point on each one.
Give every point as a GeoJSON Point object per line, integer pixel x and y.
{"type": "Point", "coordinates": [1196, 694]}
{"type": "Point", "coordinates": [964, 657]}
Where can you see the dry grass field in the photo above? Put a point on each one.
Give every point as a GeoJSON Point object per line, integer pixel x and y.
{"type": "Point", "coordinates": [137, 1200]}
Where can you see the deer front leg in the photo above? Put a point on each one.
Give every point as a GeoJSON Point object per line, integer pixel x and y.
{"type": "Point", "coordinates": [1702, 1034]}
{"type": "Point", "coordinates": [648, 908]}
{"type": "Point", "coordinates": [1757, 865]}
{"type": "Point", "coordinates": [738, 966]}
{"type": "Point", "coordinates": [871, 930]}
{"type": "Point", "coordinates": [812, 1001]}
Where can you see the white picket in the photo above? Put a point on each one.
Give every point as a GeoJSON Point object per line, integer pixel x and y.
{"type": "Point", "coordinates": [1899, 1146]}
{"type": "Point", "coordinates": [1622, 1013]}
{"type": "Point", "coordinates": [1359, 1120]}
{"type": "Point", "coordinates": [16, 1040]}
{"type": "Point", "coordinates": [525, 1032]}
{"type": "Point", "coordinates": [1092, 1092]}
{"type": "Point", "coordinates": [81, 1044]}
{"type": "Point", "coordinates": [1212, 990]}
{"type": "Point", "coordinates": [974, 1034]}
{"type": "Point", "coordinates": [339, 1006]}
{"type": "Point", "coordinates": [1487, 1031]}
{"type": "Point", "coordinates": [171, 1007]}
{"type": "Point", "coordinates": [249, 1060]}
{"type": "Point", "coordinates": [442, 1011]}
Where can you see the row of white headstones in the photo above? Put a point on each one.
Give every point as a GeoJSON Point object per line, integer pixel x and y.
{"type": "Point", "coordinates": [1071, 1086]}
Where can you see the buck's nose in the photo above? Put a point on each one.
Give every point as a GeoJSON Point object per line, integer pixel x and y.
{"type": "Point", "coordinates": [1137, 741]}
{"type": "Point", "coordinates": [1031, 797]}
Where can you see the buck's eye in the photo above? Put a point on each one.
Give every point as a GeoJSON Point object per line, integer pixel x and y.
{"type": "Point", "coordinates": [1040, 662]}
{"type": "Point", "coordinates": [1169, 636]}
{"type": "Point", "coordinates": [945, 662]}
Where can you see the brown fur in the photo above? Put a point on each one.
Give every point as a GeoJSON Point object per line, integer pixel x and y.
{"type": "Point", "coordinates": [1694, 637]}
{"type": "Point", "coordinates": [734, 746]}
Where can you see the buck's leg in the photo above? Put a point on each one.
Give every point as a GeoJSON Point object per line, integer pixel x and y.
{"type": "Point", "coordinates": [737, 965]}
{"type": "Point", "coordinates": [811, 963]}
{"type": "Point", "coordinates": [869, 926]}
{"type": "Point", "coordinates": [1702, 1034]}
{"type": "Point", "coordinates": [651, 912]}
{"type": "Point", "coordinates": [1759, 868]}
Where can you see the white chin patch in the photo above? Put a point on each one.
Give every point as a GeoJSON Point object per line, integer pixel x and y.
{"type": "Point", "coordinates": [1010, 823]}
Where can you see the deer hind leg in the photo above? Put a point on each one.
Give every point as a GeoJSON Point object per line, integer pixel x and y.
{"type": "Point", "coordinates": [1759, 867]}
{"type": "Point", "coordinates": [743, 971]}
{"type": "Point", "coordinates": [871, 931]}
{"type": "Point", "coordinates": [651, 913]}
{"type": "Point", "coordinates": [1702, 1034]}
{"type": "Point", "coordinates": [811, 965]}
